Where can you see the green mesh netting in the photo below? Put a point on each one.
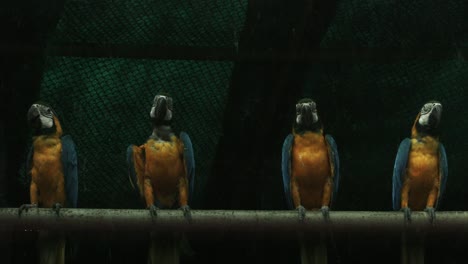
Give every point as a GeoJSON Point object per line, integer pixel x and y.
{"type": "Point", "coordinates": [370, 106]}
{"type": "Point", "coordinates": [104, 103]}
{"type": "Point", "coordinates": [403, 24]}
{"type": "Point", "coordinates": [204, 23]}
{"type": "Point", "coordinates": [367, 106]}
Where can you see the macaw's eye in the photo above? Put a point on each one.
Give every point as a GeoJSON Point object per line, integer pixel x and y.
{"type": "Point", "coordinates": [426, 109]}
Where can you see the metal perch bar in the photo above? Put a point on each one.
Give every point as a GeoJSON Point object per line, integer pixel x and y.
{"type": "Point", "coordinates": [207, 221]}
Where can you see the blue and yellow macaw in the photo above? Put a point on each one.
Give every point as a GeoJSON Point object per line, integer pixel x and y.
{"type": "Point", "coordinates": [421, 170]}
{"type": "Point", "coordinates": [420, 176]}
{"type": "Point", "coordinates": [163, 171]}
{"type": "Point", "coordinates": [310, 168]}
{"type": "Point", "coordinates": [53, 166]}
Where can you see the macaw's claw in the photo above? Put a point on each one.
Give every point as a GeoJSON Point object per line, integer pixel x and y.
{"type": "Point", "coordinates": [153, 210]}
{"type": "Point", "coordinates": [326, 213]}
{"type": "Point", "coordinates": [56, 207]}
{"type": "Point", "coordinates": [431, 213]}
{"type": "Point", "coordinates": [187, 213]}
{"type": "Point", "coordinates": [25, 207]}
{"type": "Point", "coordinates": [407, 214]}
{"type": "Point", "coordinates": [302, 212]}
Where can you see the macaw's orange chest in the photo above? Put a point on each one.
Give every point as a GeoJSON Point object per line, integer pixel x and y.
{"type": "Point", "coordinates": [47, 172]}
{"type": "Point", "coordinates": [310, 167]}
{"type": "Point", "coordinates": [165, 167]}
{"type": "Point", "coordinates": [422, 171]}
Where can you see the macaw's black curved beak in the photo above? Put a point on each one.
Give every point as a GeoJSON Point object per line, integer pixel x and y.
{"type": "Point", "coordinates": [33, 116]}
{"type": "Point", "coordinates": [435, 116]}
{"type": "Point", "coordinates": [306, 114]}
{"type": "Point", "coordinates": [160, 108]}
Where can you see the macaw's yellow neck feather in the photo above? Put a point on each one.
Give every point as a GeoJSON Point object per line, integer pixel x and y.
{"type": "Point", "coordinates": [308, 138]}
{"type": "Point", "coordinates": [315, 132]}
{"type": "Point", "coordinates": [56, 134]}
{"type": "Point", "coordinates": [58, 127]}
{"type": "Point", "coordinates": [414, 130]}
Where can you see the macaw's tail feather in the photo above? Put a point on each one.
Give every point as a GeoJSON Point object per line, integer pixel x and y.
{"type": "Point", "coordinates": [314, 250]}
{"type": "Point", "coordinates": [185, 247]}
{"type": "Point", "coordinates": [412, 249]}
{"type": "Point", "coordinates": [72, 250]}
{"type": "Point", "coordinates": [164, 248]}
{"type": "Point", "coordinates": [51, 247]}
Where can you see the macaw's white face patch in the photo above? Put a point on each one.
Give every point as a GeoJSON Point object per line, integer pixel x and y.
{"type": "Point", "coordinates": [168, 115]}
{"type": "Point", "coordinates": [46, 122]}
{"type": "Point", "coordinates": [424, 120]}
{"type": "Point", "coordinates": [299, 119]}
{"type": "Point", "coordinates": [314, 117]}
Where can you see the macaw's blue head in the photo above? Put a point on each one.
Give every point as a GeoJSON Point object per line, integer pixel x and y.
{"type": "Point", "coordinates": [428, 119]}
{"type": "Point", "coordinates": [161, 111]}
{"type": "Point", "coordinates": [41, 118]}
{"type": "Point", "coordinates": [307, 118]}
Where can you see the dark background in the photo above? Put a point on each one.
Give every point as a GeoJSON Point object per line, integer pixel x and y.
{"type": "Point", "coordinates": [235, 70]}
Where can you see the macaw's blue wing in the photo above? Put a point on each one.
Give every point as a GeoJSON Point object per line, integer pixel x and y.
{"type": "Point", "coordinates": [399, 172]}
{"type": "Point", "coordinates": [443, 173]}
{"type": "Point", "coordinates": [286, 169]}
{"type": "Point", "coordinates": [189, 159]}
{"type": "Point", "coordinates": [335, 161]}
{"type": "Point", "coordinates": [70, 170]}
{"type": "Point", "coordinates": [132, 175]}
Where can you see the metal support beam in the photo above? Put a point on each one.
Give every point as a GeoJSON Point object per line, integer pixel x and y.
{"type": "Point", "coordinates": [215, 221]}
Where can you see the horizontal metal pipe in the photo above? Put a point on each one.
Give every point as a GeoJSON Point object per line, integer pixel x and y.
{"type": "Point", "coordinates": [213, 221]}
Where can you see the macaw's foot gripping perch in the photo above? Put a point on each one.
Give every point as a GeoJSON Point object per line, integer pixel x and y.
{"type": "Point", "coordinates": [25, 207]}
